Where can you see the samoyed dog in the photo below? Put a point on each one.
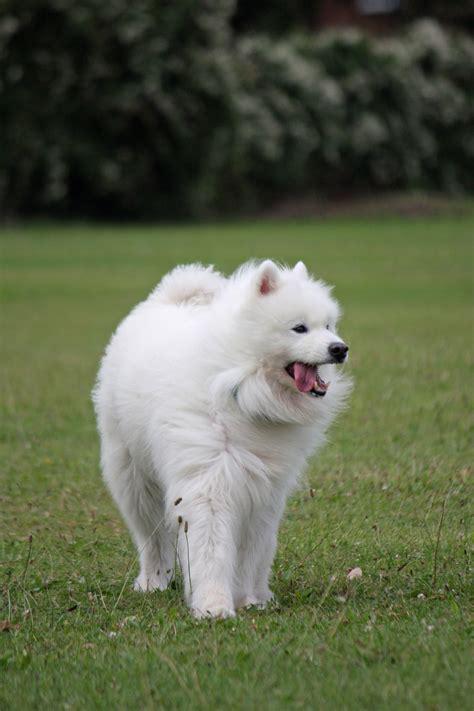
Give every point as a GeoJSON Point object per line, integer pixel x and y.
{"type": "Point", "coordinates": [211, 396]}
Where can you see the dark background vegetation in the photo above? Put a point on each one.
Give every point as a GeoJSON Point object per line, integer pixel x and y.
{"type": "Point", "coordinates": [178, 109]}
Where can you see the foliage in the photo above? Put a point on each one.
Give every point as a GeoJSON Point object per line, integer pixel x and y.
{"type": "Point", "coordinates": [159, 109]}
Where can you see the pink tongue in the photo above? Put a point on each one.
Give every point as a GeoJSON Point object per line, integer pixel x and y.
{"type": "Point", "coordinates": [305, 376]}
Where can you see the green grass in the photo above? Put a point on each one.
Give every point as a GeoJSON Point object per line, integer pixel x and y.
{"type": "Point", "coordinates": [391, 488]}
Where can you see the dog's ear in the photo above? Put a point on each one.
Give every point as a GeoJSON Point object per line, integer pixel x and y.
{"type": "Point", "coordinates": [268, 277]}
{"type": "Point", "coordinates": [300, 270]}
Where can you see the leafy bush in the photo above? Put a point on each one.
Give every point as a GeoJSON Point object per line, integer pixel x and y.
{"type": "Point", "coordinates": [111, 107]}
{"type": "Point", "coordinates": [158, 109]}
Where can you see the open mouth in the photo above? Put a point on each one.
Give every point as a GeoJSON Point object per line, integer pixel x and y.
{"type": "Point", "coordinates": [307, 378]}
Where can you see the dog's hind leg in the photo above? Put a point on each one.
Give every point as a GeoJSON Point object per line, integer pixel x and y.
{"type": "Point", "coordinates": [140, 502]}
{"type": "Point", "coordinates": [153, 539]}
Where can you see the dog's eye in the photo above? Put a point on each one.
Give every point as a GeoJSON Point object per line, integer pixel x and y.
{"type": "Point", "coordinates": [300, 328]}
{"type": "Point", "coordinates": [327, 326]}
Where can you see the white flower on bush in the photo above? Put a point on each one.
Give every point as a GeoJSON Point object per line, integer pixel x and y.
{"type": "Point", "coordinates": [369, 131]}
{"type": "Point", "coordinates": [428, 36]}
{"type": "Point", "coordinates": [329, 92]}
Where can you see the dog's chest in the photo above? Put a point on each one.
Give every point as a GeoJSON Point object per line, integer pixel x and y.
{"type": "Point", "coordinates": [282, 449]}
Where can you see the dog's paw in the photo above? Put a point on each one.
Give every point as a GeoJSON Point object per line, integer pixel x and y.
{"type": "Point", "coordinates": [218, 612]}
{"type": "Point", "coordinates": [258, 600]}
{"type": "Point", "coordinates": [150, 582]}
{"type": "Point", "coordinates": [216, 605]}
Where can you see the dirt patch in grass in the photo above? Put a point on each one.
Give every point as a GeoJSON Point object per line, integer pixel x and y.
{"type": "Point", "coordinates": [416, 204]}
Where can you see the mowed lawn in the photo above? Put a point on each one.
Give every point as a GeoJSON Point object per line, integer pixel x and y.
{"type": "Point", "coordinates": [390, 492]}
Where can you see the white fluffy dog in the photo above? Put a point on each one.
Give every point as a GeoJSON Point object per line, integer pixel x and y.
{"type": "Point", "coordinates": [210, 398]}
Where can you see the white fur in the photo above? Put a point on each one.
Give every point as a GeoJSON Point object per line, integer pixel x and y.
{"type": "Point", "coordinates": [194, 406]}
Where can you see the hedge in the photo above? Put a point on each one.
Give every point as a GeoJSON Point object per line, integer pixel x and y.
{"type": "Point", "coordinates": [158, 109]}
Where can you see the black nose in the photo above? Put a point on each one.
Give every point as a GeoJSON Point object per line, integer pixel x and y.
{"type": "Point", "coordinates": [338, 351]}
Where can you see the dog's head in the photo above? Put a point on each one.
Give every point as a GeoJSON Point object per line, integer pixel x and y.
{"type": "Point", "coordinates": [288, 345]}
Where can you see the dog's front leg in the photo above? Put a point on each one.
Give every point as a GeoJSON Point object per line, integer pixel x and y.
{"type": "Point", "coordinates": [206, 546]}
{"type": "Point", "coordinates": [256, 558]}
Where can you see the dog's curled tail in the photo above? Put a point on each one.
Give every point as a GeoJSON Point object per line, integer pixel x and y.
{"type": "Point", "coordinates": [191, 284]}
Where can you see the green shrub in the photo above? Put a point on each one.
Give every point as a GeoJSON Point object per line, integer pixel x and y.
{"type": "Point", "coordinates": [158, 109]}
{"type": "Point", "coordinates": [110, 107]}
